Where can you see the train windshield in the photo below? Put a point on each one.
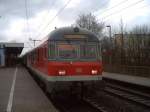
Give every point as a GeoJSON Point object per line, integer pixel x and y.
{"type": "Point", "coordinates": [74, 51]}
{"type": "Point", "coordinates": [88, 51]}
{"type": "Point", "coordinates": [67, 50]}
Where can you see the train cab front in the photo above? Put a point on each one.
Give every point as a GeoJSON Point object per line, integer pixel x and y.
{"type": "Point", "coordinates": [74, 57]}
{"type": "Point", "coordinates": [75, 61]}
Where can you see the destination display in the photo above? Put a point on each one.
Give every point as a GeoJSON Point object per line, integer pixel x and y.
{"type": "Point", "coordinates": [69, 36]}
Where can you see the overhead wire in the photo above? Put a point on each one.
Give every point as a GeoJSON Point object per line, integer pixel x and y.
{"type": "Point", "coordinates": [45, 16]}
{"type": "Point", "coordinates": [61, 9]}
{"type": "Point", "coordinates": [27, 23]}
{"type": "Point", "coordinates": [103, 12]}
{"type": "Point", "coordinates": [65, 7]}
{"type": "Point", "coordinates": [26, 14]}
{"type": "Point", "coordinates": [116, 5]}
{"type": "Point", "coordinates": [118, 11]}
{"type": "Point", "coordinates": [145, 6]}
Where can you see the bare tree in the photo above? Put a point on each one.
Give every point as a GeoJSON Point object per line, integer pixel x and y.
{"type": "Point", "coordinates": [90, 22]}
{"type": "Point", "coordinates": [141, 29]}
{"type": "Point", "coordinates": [141, 43]}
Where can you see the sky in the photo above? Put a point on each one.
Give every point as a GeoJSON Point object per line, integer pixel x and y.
{"type": "Point", "coordinates": [24, 19]}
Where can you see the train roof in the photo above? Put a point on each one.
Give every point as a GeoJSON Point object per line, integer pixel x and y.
{"type": "Point", "coordinates": [58, 34]}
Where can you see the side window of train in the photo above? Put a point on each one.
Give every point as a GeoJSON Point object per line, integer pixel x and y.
{"type": "Point", "coordinates": [51, 50]}
{"type": "Point", "coordinates": [34, 57]}
{"type": "Point", "coordinates": [45, 53]}
{"type": "Point", "coordinates": [88, 51]}
{"type": "Point", "coordinates": [30, 58]}
{"type": "Point", "coordinates": [38, 54]}
{"type": "Point", "coordinates": [99, 51]}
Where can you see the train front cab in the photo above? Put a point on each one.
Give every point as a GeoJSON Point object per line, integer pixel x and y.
{"type": "Point", "coordinates": [74, 62]}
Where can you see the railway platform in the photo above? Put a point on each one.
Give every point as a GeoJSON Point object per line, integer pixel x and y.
{"type": "Point", "coordinates": [20, 93]}
{"type": "Point", "coordinates": [141, 81]}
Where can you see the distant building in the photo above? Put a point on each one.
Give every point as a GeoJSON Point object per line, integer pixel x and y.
{"type": "Point", "coordinates": [9, 53]}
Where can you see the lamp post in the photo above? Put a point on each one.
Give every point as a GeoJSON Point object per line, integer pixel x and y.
{"type": "Point", "coordinates": [108, 26]}
{"type": "Point", "coordinates": [109, 31]}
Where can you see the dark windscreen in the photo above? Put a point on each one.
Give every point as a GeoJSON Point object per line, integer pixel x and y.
{"type": "Point", "coordinates": [67, 50]}
{"type": "Point", "coordinates": [88, 51]}
{"type": "Point", "coordinates": [74, 47]}
{"type": "Point", "coordinates": [81, 51]}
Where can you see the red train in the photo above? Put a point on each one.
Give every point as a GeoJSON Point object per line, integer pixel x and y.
{"type": "Point", "coordinates": [70, 56]}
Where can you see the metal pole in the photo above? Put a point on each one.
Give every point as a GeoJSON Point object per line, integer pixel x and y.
{"type": "Point", "coordinates": [110, 34]}
{"type": "Point", "coordinates": [34, 40]}
{"type": "Point", "coordinates": [110, 42]}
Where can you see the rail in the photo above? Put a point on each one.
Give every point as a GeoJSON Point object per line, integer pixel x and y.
{"type": "Point", "coordinates": [128, 94]}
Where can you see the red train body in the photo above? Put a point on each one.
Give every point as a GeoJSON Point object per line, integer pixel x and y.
{"type": "Point", "coordinates": [68, 55]}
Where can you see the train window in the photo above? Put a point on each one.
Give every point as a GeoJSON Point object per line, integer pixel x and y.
{"type": "Point", "coordinates": [45, 52]}
{"type": "Point", "coordinates": [67, 51]}
{"type": "Point", "coordinates": [99, 51]}
{"type": "Point", "coordinates": [42, 52]}
{"type": "Point", "coordinates": [31, 60]}
{"type": "Point", "coordinates": [33, 56]}
{"type": "Point", "coordinates": [38, 56]}
{"type": "Point", "coordinates": [88, 51]}
{"type": "Point", "coordinates": [51, 52]}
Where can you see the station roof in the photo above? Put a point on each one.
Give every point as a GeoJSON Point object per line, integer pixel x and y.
{"type": "Point", "coordinates": [12, 47]}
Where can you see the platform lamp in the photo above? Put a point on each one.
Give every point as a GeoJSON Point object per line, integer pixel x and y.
{"type": "Point", "coordinates": [109, 31]}
{"type": "Point", "coordinates": [110, 58]}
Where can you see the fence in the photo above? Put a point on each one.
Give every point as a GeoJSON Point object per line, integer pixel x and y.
{"type": "Point", "coordinates": [143, 71]}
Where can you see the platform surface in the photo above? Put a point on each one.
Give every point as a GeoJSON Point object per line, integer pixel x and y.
{"type": "Point", "coordinates": [143, 81]}
{"type": "Point", "coordinates": [6, 76]}
{"type": "Point", "coordinates": [26, 96]}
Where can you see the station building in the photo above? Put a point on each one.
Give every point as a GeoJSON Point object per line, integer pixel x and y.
{"type": "Point", "coordinates": [9, 53]}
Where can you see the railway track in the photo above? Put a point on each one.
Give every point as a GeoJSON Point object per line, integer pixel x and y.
{"type": "Point", "coordinates": [72, 104]}
{"type": "Point", "coordinates": [128, 94]}
{"type": "Point", "coordinates": [101, 103]}
{"type": "Point", "coordinates": [66, 103]}
{"type": "Point", "coordinates": [95, 103]}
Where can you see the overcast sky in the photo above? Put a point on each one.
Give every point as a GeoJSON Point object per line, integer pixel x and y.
{"type": "Point", "coordinates": [41, 13]}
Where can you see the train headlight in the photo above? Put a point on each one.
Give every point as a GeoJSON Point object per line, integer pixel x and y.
{"type": "Point", "coordinates": [61, 72]}
{"type": "Point", "coordinates": [94, 72]}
